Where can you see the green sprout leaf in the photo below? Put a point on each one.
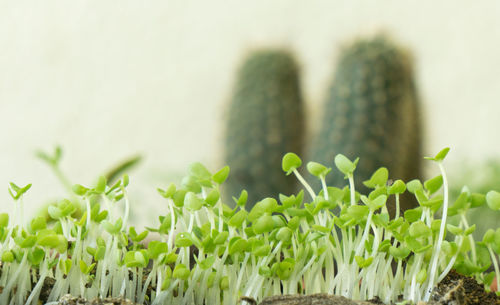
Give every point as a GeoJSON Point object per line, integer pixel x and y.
{"type": "Point", "coordinates": [86, 269]}
{"type": "Point", "coordinates": [212, 197]}
{"type": "Point", "coordinates": [38, 223]}
{"type": "Point", "coordinates": [4, 220]}
{"type": "Point", "coordinates": [65, 265]}
{"type": "Point", "coordinates": [125, 180]}
{"type": "Point", "coordinates": [27, 242]}
{"type": "Point", "coordinates": [317, 169]}
{"type": "Point", "coordinates": [220, 176]}
{"type": "Point", "coordinates": [454, 229]}
{"type": "Point", "coordinates": [434, 184]}
{"type": "Point", "coordinates": [221, 238]}
{"type": "Point", "coordinates": [493, 200]}
{"type": "Point", "coordinates": [137, 237]}
{"type": "Point", "coordinates": [362, 262]}
{"type": "Point", "coordinates": [7, 257]}
{"type": "Point", "coordinates": [413, 215]}
{"type": "Point", "coordinates": [470, 230]}
{"type": "Point", "coordinates": [237, 244]}
{"type": "Point", "coordinates": [183, 239]}
{"type": "Point", "coordinates": [489, 236]}
{"type": "Point", "coordinates": [51, 160]}
{"type": "Point", "coordinates": [414, 185]}
{"type": "Point", "coordinates": [237, 219]}
{"type": "Point", "coordinates": [178, 198]}
{"type": "Point", "coordinates": [169, 192]}
{"type": "Point", "coordinates": [207, 263]}
{"type": "Point", "coordinates": [113, 228]}
{"type": "Point", "coordinates": [181, 272]}
{"type": "Point", "coordinates": [419, 229]}
{"type": "Point", "coordinates": [477, 200]}
{"type": "Point", "coordinates": [290, 162]}
{"type": "Point", "coordinates": [345, 165]}
{"type": "Point", "coordinates": [265, 206]}
{"type": "Point", "coordinates": [192, 202]}
{"type": "Point", "coordinates": [285, 268]}
{"type": "Point", "coordinates": [399, 253]}
{"type": "Point", "coordinates": [242, 200]}
{"type": "Point", "coordinates": [439, 157]}
{"type": "Point", "coordinates": [80, 190]}
{"type": "Point", "coordinates": [285, 235]}
{"type": "Point", "coordinates": [421, 276]}
{"type": "Point", "coordinates": [261, 251]}
{"type": "Point", "coordinates": [101, 185]}
{"type": "Point", "coordinates": [378, 179]}
{"type": "Point", "coordinates": [263, 224]}
{"type": "Point", "coordinates": [460, 205]}
{"type": "Point", "coordinates": [16, 192]}
{"type": "Point", "coordinates": [398, 187]}
{"type": "Point", "coordinates": [136, 259]}
{"type": "Point", "coordinates": [201, 173]}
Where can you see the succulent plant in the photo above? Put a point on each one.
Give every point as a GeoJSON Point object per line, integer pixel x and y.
{"type": "Point", "coordinates": [265, 120]}
{"type": "Point", "coordinates": [372, 111]}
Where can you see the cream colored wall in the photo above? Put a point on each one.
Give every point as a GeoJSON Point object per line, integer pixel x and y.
{"type": "Point", "coordinates": [107, 79]}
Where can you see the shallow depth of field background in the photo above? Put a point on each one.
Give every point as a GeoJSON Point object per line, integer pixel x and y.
{"type": "Point", "coordinates": [106, 80]}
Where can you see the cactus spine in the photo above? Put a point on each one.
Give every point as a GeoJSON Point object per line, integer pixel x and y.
{"type": "Point", "coordinates": [265, 121]}
{"type": "Point", "coordinates": [372, 111]}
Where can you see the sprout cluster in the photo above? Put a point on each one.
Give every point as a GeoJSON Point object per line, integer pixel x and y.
{"type": "Point", "coordinates": [206, 252]}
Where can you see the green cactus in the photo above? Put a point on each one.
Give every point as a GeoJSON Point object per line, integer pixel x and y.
{"type": "Point", "coordinates": [265, 121]}
{"type": "Point", "coordinates": [372, 111]}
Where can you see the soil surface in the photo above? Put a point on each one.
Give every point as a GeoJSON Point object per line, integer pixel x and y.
{"type": "Point", "coordinates": [70, 300]}
{"type": "Point", "coordinates": [454, 289]}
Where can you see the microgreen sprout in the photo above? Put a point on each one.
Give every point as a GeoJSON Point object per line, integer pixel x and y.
{"type": "Point", "coordinates": [207, 252]}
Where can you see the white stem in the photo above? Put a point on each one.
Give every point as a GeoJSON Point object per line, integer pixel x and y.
{"type": "Point", "coordinates": [471, 239]}
{"type": "Point", "coordinates": [437, 250]}
{"type": "Point", "coordinates": [397, 207]}
{"type": "Point", "coordinates": [361, 244]}
{"type": "Point", "coordinates": [305, 184]}
{"type": "Point", "coordinates": [87, 203]}
{"type": "Point", "coordinates": [325, 189]}
{"type": "Point", "coordinates": [352, 189]}
{"type": "Point", "coordinates": [127, 209]}
{"type": "Point", "coordinates": [172, 227]}
{"type": "Point", "coordinates": [495, 262]}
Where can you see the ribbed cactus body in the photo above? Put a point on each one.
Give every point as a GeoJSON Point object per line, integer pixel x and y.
{"type": "Point", "coordinates": [372, 112]}
{"type": "Point", "coordinates": [265, 121]}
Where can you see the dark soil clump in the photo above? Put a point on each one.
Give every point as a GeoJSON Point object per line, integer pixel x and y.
{"type": "Point", "coordinates": [70, 300]}
{"type": "Point", "coordinates": [457, 289]}
{"type": "Point", "coordinates": [454, 289]}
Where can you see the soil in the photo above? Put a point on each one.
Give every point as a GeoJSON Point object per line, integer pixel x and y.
{"type": "Point", "coordinates": [455, 289]}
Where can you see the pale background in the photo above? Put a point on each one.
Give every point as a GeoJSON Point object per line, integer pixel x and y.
{"type": "Point", "coordinates": [108, 79]}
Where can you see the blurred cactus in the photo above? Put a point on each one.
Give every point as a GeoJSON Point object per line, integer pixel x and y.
{"type": "Point", "coordinates": [372, 111]}
{"type": "Point", "coordinates": [265, 121]}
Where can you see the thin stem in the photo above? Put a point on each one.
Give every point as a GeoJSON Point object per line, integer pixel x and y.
{"type": "Point", "coordinates": [352, 189]}
{"type": "Point", "coordinates": [435, 254]}
{"type": "Point", "coordinates": [495, 262]}
{"type": "Point", "coordinates": [305, 184]}
{"type": "Point", "coordinates": [325, 189]}
{"type": "Point", "coordinates": [127, 209]}
{"type": "Point", "coordinates": [361, 244]}
{"type": "Point", "coordinates": [397, 207]}
{"type": "Point", "coordinates": [471, 238]}
{"type": "Point", "coordinates": [87, 203]}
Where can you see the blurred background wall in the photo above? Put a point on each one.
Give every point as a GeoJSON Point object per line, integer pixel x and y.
{"type": "Point", "coordinates": [107, 79]}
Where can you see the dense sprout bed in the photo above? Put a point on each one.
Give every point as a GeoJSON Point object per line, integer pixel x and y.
{"type": "Point", "coordinates": [206, 252]}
